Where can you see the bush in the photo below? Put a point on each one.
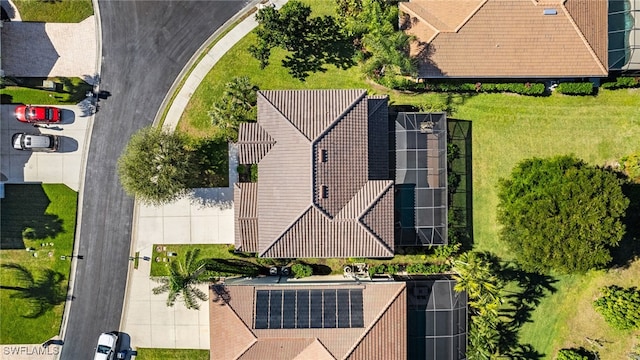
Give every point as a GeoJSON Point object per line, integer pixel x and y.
{"type": "Point", "coordinates": [569, 88]}
{"type": "Point", "coordinates": [620, 307]}
{"type": "Point", "coordinates": [427, 268]}
{"type": "Point", "coordinates": [622, 83]}
{"type": "Point", "coordinates": [301, 271]}
{"type": "Point", "coordinates": [576, 354]}
{"type": "Point", "coordinates": [516, 88]}
{"type": "Point", "coordinates": [630, 164]}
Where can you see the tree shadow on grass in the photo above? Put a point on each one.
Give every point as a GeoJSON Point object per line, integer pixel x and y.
{"type": "Point", "coordinates": [213, 161]}
{"type": "Point", "coordinates": [235, 267]}
{"type": "Point", "coordinates": [39, 293]}
{"type": "Point", "coordinates": [532, 288]}
{"type": "Point", "coordinates": [629, 247]}
{"type": "Point", "coordinates": [27, 205]}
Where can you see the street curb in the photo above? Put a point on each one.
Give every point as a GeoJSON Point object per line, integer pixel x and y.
{"type": "Point", "coordinates": [196, 58]}
{"type": "Point", "coordinates": [83, 169]}
{"type": "Point", "coordinates": [165, 105]}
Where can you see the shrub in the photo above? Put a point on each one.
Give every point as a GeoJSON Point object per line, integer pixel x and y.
{"type": "Point", "coordinates": [581, 88]}
{"type": "Point", "coordinates": [630, 164]}
{"type": "Point", "coordinates": [620, 307]}
{"type": "Point", "coordinates": [622, 83]}
{"type": "Point", "coordinates": [427, 268]}
{"type": "Point", "coordinates": [516, 88]}
{"type": "Point", "coordinates": [301, 271]}
{"type": "Point", "coordinates": [576, 354]}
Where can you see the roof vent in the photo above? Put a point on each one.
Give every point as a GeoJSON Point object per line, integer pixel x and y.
{"type": "Point", "coordinates": [325, 191]}
{"type": "Point", "coordinates": [550, 12]}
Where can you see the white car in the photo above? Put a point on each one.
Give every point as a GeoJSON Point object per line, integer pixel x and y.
{"type": "Point", "coordinates": [106, 349]}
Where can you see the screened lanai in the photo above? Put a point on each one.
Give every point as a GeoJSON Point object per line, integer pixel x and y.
{"type": "Point", "coordinates": [421, 179]}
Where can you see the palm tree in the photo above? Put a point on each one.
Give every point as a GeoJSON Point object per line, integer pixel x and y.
{"type": "Point", "coordinates": [236, 105]}
{"type": "Point", "coordinates": [41, 293]}
{"type": "Point", "coordinates": [183, 278]}
{"type": "Point", "coordinates": [476, 275]}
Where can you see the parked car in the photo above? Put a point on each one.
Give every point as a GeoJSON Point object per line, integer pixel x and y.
{"type": "Point", "coordinates": [38, 114]}
{"type": "Point", "coordinates": [106, 349]}
{"type": "Point", "coordinates": [35, 142]}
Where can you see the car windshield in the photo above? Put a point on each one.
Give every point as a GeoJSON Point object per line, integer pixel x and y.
{"type": "Point", "coordinates": [103, 349]}
{"type": "Point", "coordinates": [48, 114]}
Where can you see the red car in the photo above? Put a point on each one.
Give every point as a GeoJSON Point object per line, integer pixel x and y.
{"type": "Point", "coordinates": [38, 114]}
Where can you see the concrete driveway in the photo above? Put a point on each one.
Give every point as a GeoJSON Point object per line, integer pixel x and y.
{"type": "Point", "coordinates": [49, 49]}
{"type": "Point", "coordinates": [17, 166]}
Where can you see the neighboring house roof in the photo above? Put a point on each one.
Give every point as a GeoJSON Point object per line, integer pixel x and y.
{"type": "Point", "coordinates": [235, 310]}
{"type": "Point", "coordinates": [508, 38]}
{"type": "Point", "coordinates": [322, 163]}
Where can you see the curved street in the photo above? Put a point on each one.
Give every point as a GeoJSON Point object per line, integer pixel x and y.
{"type": "Point", "coordinates": [145, 44]}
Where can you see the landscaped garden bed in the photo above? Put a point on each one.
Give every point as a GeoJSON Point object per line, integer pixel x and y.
{"type": "Point", "coordinates": [31, 91]}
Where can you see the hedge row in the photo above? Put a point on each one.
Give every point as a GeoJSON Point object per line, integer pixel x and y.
{"type": "Point", "coordinates": [575, 88]}
{"type": "Point", "coordinates": [393, 269]}
{"type": "Point", "coordinates": [398, 83]}
{"type": "Point", "coordinates": [622, 83]}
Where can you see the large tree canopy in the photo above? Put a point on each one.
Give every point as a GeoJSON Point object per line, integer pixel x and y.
{"type": "Point", "coordinates": [561, 213]}
{"type": "Point", "coordinates": [312, 42]}
{"type": "Point", "coordinates": [156, 166]}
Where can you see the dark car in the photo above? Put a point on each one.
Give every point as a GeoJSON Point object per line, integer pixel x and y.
{"type": "Point", "coordinates": [35, 142]}
{"type": "Point", "coordinates": [38, 114]}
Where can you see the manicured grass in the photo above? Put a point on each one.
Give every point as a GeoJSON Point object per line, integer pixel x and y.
{"type": "Point", "coordinates": [50, 210]}
{"type": "Point", "coordinates": [70, 91]}
{"type": "Point", "coordinates": [171, 354]}
{"type": "Point", "coordinates": [567, 318]}
{"type": "Point", "coordinates": [60, 11]}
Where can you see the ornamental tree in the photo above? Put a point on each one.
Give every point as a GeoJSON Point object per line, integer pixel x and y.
{"type": "Point", "coordinates": [156, 167]}
{"type": "Point", "coordinates": [561, 213]}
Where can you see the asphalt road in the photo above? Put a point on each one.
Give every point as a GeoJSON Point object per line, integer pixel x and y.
{"type": "Point", "coordinates": [145, 45]}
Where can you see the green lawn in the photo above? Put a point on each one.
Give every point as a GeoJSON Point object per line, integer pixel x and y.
{"type": "Point", "coordinates": [60, 11]}
{"type": "Point", "coordinates": [171, 354]}
{"type": "Point", "coordinates": [69, 91]}
{"type": "Point", "coordinates": [50, 211]}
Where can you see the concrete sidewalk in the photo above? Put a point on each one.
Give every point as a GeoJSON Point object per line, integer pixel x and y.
{"type": "Point", "coordinates": [205, 218]}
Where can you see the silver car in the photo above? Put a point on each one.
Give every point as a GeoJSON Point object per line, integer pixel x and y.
{"type": "Point", "coordinates": [35, 142]}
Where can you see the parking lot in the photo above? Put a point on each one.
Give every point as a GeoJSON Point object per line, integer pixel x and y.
{"type": "Point", "coordinates": [64, 166]}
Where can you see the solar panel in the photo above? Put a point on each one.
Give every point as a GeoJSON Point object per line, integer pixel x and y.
{"type": "Point", "coordinates": [316, 308]}
{"type": "Point", "coordinates": [357, 317]}
{"type": "Point", "coordinates": [344, 308]}
{"type": "Point", "coordinates": [262, 309]}
{"type": "Point", "coordinates": [302, 315]}
{"type": "Point", "coordinates": [330, 308]}
{"type": "Point", "coordinates": [275, 310]}
{"type": "Point", "coordinates": [289, 309]}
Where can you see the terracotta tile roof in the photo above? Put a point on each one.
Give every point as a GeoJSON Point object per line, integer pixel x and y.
{"type": "Point", "coordinates": [253, 143]}
{"type": "Point", "coordinates": [384, 312]}
{"type": "Point", "coordinates": [315, 182]}
{"type": "Point", "coordinates": [246, 216]}
{"type": "Point", "coordinates": [235, 335]}
{"type": "Point", "coordinates": [508, 38]}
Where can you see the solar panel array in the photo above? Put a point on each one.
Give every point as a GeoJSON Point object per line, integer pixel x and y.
{"type": "Point", "coordinates": [302, 309]}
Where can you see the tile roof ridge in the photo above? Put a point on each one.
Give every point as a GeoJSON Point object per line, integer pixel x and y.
{"type": "Point", "coordinates": [230, 308]}
{"type": "Point", "coordinates": [287, 228]}
{"type": "Point", "coordinates": [360, 217]}
{"type": "Point", "coordinates": [424, 21]}
{"type": "Point", "coordinates": [471, 14]}
{"type": "Point", "coordinates": [320, 344]}
{"type": "Point", "coordinates": [386, 307]}
{"type": "Point", "coordinates": [275, 108]}
{"type": "Point", "coordinates": [335, 121]}
{"type": "Point", "coordinates": [583, 38]}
